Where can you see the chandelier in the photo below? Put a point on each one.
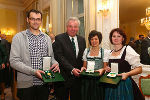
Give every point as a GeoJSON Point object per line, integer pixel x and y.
{"type": "Point", "coordinates": [146, 21]}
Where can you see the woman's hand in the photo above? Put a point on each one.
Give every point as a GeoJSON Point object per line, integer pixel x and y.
{"type": "Point", "coordinates": [124, 75]}
{"type": "Point", "coordinates": [82, 69]}
{"type": "Point", "coordinates": [101, 71]}
{"type": "Point", "coordinates": [107, 69]}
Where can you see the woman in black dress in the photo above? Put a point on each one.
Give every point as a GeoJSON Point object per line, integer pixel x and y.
{"type": "Point", "coordinates": [124, 57]}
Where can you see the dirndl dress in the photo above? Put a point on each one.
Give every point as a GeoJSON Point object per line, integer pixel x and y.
{"type": "Point", "coordinates": [91, 87]}
{"type": "Point", "coordinates": [126, 89]}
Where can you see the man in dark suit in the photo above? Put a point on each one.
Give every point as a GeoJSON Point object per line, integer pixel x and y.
{"type": "Point", "coordinates": [138, 44]}
{"type": "Point", "coordinates": [4, 72]}
{"type": "Point", "coordinates": [145, 56]}
{"type": "Point", "coordinates": [68, 50]}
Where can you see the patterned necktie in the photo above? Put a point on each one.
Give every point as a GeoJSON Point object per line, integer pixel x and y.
{"type": "Point", "coordinates": [74, 46]}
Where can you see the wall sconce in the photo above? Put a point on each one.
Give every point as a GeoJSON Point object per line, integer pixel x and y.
{"type": "Point", "coordinates": [104, 7]}
{"type": "Point", "coordinates": [50, 28]}
{"type": "Point", "coordinates": [7, 31]}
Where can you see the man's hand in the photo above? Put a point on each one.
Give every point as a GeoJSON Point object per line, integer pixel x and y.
{"type": "Point", "coordinates": [7, 64]}
{"type": "Point", "coordinates": [38, 73]}
{"type": "Point", "coordinates": [55, 68]}
{"type": "Point", "coordinates": [3, 65]}
{"type": "Point", "coordinates": [76, 72]}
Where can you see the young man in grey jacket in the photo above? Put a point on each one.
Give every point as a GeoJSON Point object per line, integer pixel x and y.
{"type": "Point", "coordinates": [27, 51]}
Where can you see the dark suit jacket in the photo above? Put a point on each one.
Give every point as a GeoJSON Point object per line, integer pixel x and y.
{"type": "Point", "coordinates": [3, 55]}
{"type": "Point", "coordinates": [145, 59]}
{"type": "Point", "coordinates": [64, 54]}
{"type": "Point", "coordinates": [7, 46]}
{"type": "Point", "coordinates": [138, 46]}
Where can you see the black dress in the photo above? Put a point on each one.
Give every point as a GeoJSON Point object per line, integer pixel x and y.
{"type": "Point", "coordinates": [91, 87]}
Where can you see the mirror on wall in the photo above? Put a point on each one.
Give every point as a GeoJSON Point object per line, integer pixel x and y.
{"type": "Point", "coordinates": [130, 14]}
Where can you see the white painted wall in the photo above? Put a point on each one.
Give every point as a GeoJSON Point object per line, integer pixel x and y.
{"type": "Point", "coordinates": [106, 23]}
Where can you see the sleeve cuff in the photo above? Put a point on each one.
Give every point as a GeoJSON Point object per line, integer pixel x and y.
{"type": "Point", "coordinates": [33, 71]}
{"type": "Point", "coordinates": [72, 70]}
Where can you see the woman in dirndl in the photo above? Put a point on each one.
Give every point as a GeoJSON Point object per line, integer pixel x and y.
{"type": "Point", "coordinates": [124, 57]}
{"type": "Point", "coordinates": [91, 87]}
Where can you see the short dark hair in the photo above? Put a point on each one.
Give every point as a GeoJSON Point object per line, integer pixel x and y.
{"type": "Point", "coordinates": [121, 32]}
{"type": "Point", "coordinates": [95, 33]}
{"type": "Point", "coordinates": [34, 11]}
{"type": "Point", "coordinates": [131, 38]}
{"type": "Point", "coordinates": [140, 36]}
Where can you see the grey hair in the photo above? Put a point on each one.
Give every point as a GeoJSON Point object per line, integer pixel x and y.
{"type": "Point", "coordinates": [73, 19]}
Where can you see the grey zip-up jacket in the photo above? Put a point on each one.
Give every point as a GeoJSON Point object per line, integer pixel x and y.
{"type": "Point", "coordinates": [20, 59]}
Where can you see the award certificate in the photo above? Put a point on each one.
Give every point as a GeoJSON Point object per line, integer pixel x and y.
{"type": "Point", "coordinates": [46, 63]}
{"type": "Point", "coordinates": [114, 68]}
{"type": "Point", "coordinates": [90, 66]}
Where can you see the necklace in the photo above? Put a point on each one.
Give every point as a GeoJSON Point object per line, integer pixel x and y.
{"type": "Point", "coordinates": [118, 49]}
{"type": "Point", "coordinates": [94, 52]}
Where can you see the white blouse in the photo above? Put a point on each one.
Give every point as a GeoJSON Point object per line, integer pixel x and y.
{"type": "Point", "coordinates": [105, 58]}
{"type": "Point", "coordinates": [131, 56]}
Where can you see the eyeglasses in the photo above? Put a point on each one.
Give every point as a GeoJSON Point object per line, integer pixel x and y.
{"type": "Point", "coordinates": [37, 19]}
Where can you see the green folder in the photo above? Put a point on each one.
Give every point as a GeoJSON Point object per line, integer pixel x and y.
{"type": "Point", "coordinates": [110, 80]}
{"type": "Point", "coordinates": [95, 74]}
{"type": "Point", "coordinates": [53, 77]}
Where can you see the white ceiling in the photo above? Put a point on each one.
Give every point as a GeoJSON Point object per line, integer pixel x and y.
{"type": "Point", "coordinates": [130, 10]}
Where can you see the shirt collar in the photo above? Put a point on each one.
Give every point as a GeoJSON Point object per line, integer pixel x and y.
{"type": "Point", "coordinates": [75, 37]}
{"type": "Point", "coordinates": [30, 33]}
